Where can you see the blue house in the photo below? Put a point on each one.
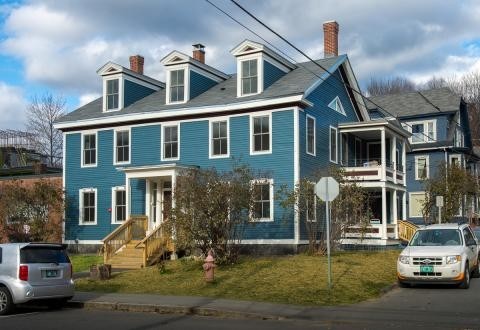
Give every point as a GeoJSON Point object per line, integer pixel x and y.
{"type": "Point", "coordinates": [438, 122]}
{"type": "Point", "coordinates": [124, 150]}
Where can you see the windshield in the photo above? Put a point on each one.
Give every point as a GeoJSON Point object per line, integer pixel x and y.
{"type": "Point", "coordinates": [436, 237]}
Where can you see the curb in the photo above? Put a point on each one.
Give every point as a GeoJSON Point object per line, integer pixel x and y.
{"type": "Point", "coordinates": [165, 309]}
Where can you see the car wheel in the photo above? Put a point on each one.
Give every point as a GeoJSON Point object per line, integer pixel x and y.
{"type": "Point", "coordinates": [403, 284]}
{"type": "Point", "coordinates": [476, 271]}
{"type": "Point", "coordinates": [466, 278]}
{"type": "Point", "coordinates": [6, 302]}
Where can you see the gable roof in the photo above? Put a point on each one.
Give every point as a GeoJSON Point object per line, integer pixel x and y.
{"type": "Point", "coordinates": [114, 68]}
{"type": "Point", "coordinates": [416, 103]}
{"type": "Point", "coordinates": [222, 95]}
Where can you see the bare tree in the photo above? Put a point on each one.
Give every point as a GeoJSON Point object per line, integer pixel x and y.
{"type": "Point", "coordinates": [43, 111]}
{"type": "Point", "coordinates": [394, 85]}
{"type": "Point", "coordinates": [435, 82]}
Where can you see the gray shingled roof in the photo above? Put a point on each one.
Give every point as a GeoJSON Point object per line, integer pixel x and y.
{"type": "Point", "coordinates": [417, 103]}
{"type": "Point", "coordinates": [293, 83]}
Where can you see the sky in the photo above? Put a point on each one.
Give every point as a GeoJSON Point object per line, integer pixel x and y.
{"type": "Point", "coordinates": [51, 46]}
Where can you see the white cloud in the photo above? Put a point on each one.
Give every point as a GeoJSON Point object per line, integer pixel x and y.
{"type": "Point", "coordinates": [87, 98]}
{"type": "Point", "coordinates": [12, 107]}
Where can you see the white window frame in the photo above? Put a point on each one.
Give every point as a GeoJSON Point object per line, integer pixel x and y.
{"type": "Point", "coordinates": [210, 137]}
{"type": "Point", "coordinates": [114, 204]}
{"type": "Point", "coordinates": [115, 131]}
{"type": "Point", "coordinates": [80, 208]}
{"type": "Point", "coordinates": [314, 135]}
{"type": "Point", "coordinates": [121, 83]}
{"type": "Point", "coordinates": [250, 57]}
{"type": "Point", "coordinates": [330, 144]}
{"type": "Point", "coordinates": [169, 82]}
{"type": "Point", "coordinates": [252, 140]}
{"type": "Point", "coordinates": [336, 101]}
{"type": "Point", "coordinates": [186, 77]}
{"type": "Point", "coordinates": [427, 164]}
{"type": "Point", "coordinates": [270, 182]}
{"type": "Point", "coordinates": [162, 127]}
{"type": "Point", "coordinates": [410, 203]}
{"type": "Point", "coordinates": [455, 156]}
{"type": "Point", "coordinates": [426, 139]}
{"type": "Point", "coordinates": [82, 160]}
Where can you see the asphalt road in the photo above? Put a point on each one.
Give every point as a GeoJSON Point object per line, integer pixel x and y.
{"type": "Point", "coordinates": [421, 307]}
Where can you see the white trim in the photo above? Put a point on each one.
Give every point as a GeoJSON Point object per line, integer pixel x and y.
{"type": "Point", "coordinates": [162, 135]}
{"type": "Point", "coordinates": [80, 206]}
{"type": "Point", "coordinates": [121, 93]}
{"type": "Point", "coordinates": [186, 83]}
{"type": "Point", "coordinates": [314, 135]}
{"type": "Point", "coordinates": [105, 71]}
{"type": "Point", "coordinates": [83, 241]}
{"type": "Point", "coordinates": [337, 101]}
{"type": "Point", "coordinates": [239, 50]}
{"type": "Point", "coordinates": [330, 144]}
{"type": "Point", "coordinates": [296, 170]}
{"type": "Point", "coordinates": [456, 156]}
{"type": "Point", "coordinates": [115, 131]}
{"type": "Point", "coordinates": [210, 147]}
{"type": "Point", "coordinates": [288, 241]}
{"type": "Point", "coordinates": [89, 132]}
{"type": "Point", "coordinates": [410, 203]}
{"type": "Point", "coordinates": [185, 59]}
{"type": "Point", "coordinates": [114, 205]}
{"type": "Point", "coordinates": [272, 201]}
{"type": "Point", "coordinates": [270, 133]}
{"type": "Point", "coordinates": [259, 58]}
{"type": "Point", "coordinates": [427, 165]}
{"type": "Point", "coordinates": [64, 175]}
{"type": "Point", "coordinates": [425, 139]}
{"type": "Point", "coordinates": [125, 117]}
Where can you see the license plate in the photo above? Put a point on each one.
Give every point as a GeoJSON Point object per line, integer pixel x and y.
{"type": "Point", "coordinates": [426, 269]}
{"type": "Point", "coordinates": [51, 273]}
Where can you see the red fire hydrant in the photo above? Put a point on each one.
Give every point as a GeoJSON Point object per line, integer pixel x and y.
{"type": "Point", "coordinates": [209, 267]}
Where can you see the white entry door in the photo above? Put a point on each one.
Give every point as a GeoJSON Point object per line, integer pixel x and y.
{"type": "Point", "coordinates": [160, 202]}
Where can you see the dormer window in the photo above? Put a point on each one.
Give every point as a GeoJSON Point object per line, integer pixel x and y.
{"type": "Point", "coordinates": [249, 77]}
{"type": "Point", "coordinates": [177, 86]}
{"type": "Point", "coordinates": [112, 94]}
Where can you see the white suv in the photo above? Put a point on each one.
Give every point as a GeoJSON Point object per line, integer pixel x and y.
{"type": "Point", "coordinates": [445, 253]}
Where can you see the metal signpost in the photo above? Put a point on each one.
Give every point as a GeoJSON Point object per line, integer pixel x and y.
{"type": "Point", "coordinates": [327, 190]}
{"type": "Point", "coordinates": [439, 203]}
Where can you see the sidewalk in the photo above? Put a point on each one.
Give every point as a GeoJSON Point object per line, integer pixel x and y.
{"type": "Point", "coordinates": [187, 306]}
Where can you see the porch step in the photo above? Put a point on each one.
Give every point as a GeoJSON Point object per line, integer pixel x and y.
{"type": "Point", "coordinates": [130, 257]}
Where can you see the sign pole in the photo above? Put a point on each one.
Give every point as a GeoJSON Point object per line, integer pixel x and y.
{"type": "Point", "coordinates": [327, 212]}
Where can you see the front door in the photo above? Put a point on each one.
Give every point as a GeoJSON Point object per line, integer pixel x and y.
{"type": "Point", "coordinates": [160, 202]}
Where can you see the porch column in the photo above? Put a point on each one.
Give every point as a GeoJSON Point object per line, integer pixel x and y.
{"type": "Point", "coordinates": [404, 205]}
{"type": "Point", "coordinates": [404, 162]}
{"type": "Point", "coordinates": [393, 152]}
{"type": "Point", "coordinates": [383, 154]}
{"type": "Point", "coordinates": [384, 213]}
{"type": "Point", "coordinates": [395, 212]}
{"type": "Point", "coordinates": [127, 193]}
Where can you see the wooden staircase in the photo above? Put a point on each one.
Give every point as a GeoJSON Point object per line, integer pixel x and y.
{"type": "Point", "coordinates": [128, 246]}
{"type": "Point", "coordinates": [406, 229]}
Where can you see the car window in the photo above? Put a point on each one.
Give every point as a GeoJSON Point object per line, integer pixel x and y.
{"type": "Point", "coordinates": [43, 254]}
{"type": "Point", "coordinates": [1, 252]}
{"type": "Point", "coordinates": [436, 237]}
{"type": "Point", "coordinates": [468, 236]}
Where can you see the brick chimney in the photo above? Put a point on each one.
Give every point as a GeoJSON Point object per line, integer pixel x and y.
{"type": "Point", "coordinates": [136, 63]}
{"type": "Point", "coordinates": [330, 39]}
{"type": "Point", "coordinates": [199, 52]}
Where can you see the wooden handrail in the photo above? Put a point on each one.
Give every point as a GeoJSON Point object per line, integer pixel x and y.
{"type": "Point", "coordinates": [153, 244]}
{"type": "Point", "coordinates": [117, 230]}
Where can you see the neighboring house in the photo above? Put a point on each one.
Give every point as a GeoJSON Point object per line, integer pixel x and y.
{"type": "Point", "coordinates": [124, 150]}
{"type": "Point", "coordinates": [438, 121]}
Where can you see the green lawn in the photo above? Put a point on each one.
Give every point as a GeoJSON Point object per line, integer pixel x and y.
{"type": "Point", "coordinates": [82, 262]}
{"type": "Point", "coordinates": [298, 279]}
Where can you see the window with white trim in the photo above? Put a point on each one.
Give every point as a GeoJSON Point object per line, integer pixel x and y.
{"type": "Point", "coordinates": [336, 105]}
{"type": "Point", "coordinates": [177, 86]}
{"type": "Point", "coordinates": [416, 201]}
{"type": "Point", "coordinates": [458, 138]}
{"type": "Point", "coordinates": [421, 167]}
{"type": "Point", "coordinates": [261, 135]}
{"type": "Point", "coordinates": [263, 200]}
{"type": "Point", "coordinates": [119, 204]}
{"type": "Point", "coordinates": [422, 131]}
{"type": "Point", "coordinates": [219, 138]}
{"type": "Point", "coordinates": [88, 206]}
{"type": "Point", "coordinates": [249, 76]}
{"type": "Point", "coordinates": [170, 142]}
{"type": "Point", "coordinates": [112, 94]}
{"type": "Point", "coordinates": [455, 160]}
{"type": "Point", "coordinates": [333, 145]}
{"type": "Point", "coordinates": [310, 132]}
{"type": "Point", "coordinates": [122, 146]}
{"type": "Point", "coordinates": [89, 149]}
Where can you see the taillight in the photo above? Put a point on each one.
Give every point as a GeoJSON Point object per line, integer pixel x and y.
{"type": "Point", "coordinates": [23, 273]}
{"type": "Point", "coordinates": [71, 270]}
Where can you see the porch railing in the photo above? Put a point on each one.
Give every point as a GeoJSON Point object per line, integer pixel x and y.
{"type": "Point", "coordinates": [154, 245]}
{"type": "Point", "coordinates": [406, 230]}
{"type": "Point", "coordinates": [133, 228]}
